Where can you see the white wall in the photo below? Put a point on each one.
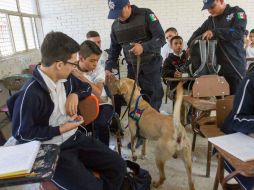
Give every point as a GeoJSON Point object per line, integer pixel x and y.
{"type": "Point", "coordinates": [76, 17]}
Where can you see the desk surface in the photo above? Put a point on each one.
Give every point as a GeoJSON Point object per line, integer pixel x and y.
{"type": "Point", "coordinates": [200, 104]}
{"type": "Point", "coordinates": [247, 168]}
{"type": "Point", "coordinates": [44, 167]}
{"type": "Point", "coordinates": [169, 79]}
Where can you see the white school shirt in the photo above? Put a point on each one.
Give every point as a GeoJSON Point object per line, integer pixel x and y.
{"type": "Point", "coordinates": [98, 75]}
{"type": "Point", "coordinates": [59, 115]}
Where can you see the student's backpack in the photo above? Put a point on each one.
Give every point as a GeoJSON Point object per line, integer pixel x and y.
{"type": "Point", "coordinates": [136, 178]}
{"type": "Point", "coordinates": [202, 59]}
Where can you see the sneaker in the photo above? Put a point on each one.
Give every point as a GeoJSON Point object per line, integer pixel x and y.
{"type": "Point", "coordinates": [139, 143]}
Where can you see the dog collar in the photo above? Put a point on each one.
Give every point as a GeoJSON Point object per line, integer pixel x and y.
{"type": "Point", "coordinates": [136, 113]}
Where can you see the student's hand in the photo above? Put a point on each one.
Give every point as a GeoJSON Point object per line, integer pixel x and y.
{"type": "Point", "coordinates": [178, 74]}
{"type": "Point", "coordinates": [208, 35]}
{"type": "Point", "coordinates": [74, 122]}
{"type": "Point", "coordinates": [137, 49]}
{"type": "Point", "coordinates": [71, 104]}
{"type": "Point", "coordinates": [78, 74]}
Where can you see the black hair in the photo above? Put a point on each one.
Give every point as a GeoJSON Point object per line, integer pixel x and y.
{"type": "Point", "coordinates": [92, 34]}
{"type": "Point", "coordinates": [57, 46]}
{"type": "Point", "coordinates": [252, 31]}
{"type": "Point", "coordinates": [246, 32]}
{"type": "Point", "coordinates": [88, 48]}
{"type": "Point", "coordinates": [175, 38]}
{"type": "Point", "coordinates": [171, 29]}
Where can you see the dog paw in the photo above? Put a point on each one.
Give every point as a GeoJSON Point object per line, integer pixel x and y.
{"type": "Point", "coordinates": [156, 184]}
{"type": "Point", "coordinates": [143, 157]}
{"type": "Point", "coordinates": [134, 158]}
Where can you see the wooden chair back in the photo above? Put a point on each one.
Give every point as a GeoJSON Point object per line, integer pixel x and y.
{"type": "Point", "coordinates": [89, 109]}
{"type": "Point", "coordinates": [223, 108]}
{"type": "Point", "coordinates": [210, 85]}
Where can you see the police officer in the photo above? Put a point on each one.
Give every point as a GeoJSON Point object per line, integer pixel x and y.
{"type": "Point", "coordinates": [226, 24]}
{"type": "Point", "coordinates": [138, 32]}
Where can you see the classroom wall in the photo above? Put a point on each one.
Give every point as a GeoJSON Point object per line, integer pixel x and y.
{"type": "Point", "coordinates": [76, 17]}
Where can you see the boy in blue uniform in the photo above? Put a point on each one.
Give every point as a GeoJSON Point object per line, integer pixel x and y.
{"type": "Point", "coordinates": [44, 109]}
{"type": "Point", "coordinates": [226, 24]}
{"type": "Point", "coordinates": [241, 119]}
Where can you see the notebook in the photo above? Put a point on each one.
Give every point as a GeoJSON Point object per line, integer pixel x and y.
{"type": "Point", "coordinates": [18, 159]}
{"type": "Point", "coordinates": [238, 144]}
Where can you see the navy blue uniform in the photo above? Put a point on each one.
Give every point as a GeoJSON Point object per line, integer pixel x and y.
{"type": "Point", "coordinates": [241, 119]}
{"type": "Point", "coordinates": [151, 60]}
{"type": "Point", "coordinates": [228, 28]}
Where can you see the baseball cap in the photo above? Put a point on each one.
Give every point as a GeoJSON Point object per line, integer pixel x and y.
{"type": "Point", "coordinates": [116, 7]}
{"type": "Point", "coordinates": [207, 4]}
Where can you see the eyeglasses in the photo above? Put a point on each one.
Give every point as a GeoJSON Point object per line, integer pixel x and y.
{"type": "Point", "coordinates": [76, 64]}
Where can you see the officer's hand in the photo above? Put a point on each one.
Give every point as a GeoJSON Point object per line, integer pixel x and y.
{"type": "Point", "coordinates": [137, 49]}
{"type": "Point", "coordinates": [108, 74]}
{"type": "Point", "coordinates": [208, 35]}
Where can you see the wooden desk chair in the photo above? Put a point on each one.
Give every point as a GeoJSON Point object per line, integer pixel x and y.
{"type": "Point", "coordinates": [223, 108]}
{"type": "Point", "coordinates": [12, 83]}
{"type": "Point", "coordinates": [243, 168]}
{"type": "Point", "coordinates": [205, 90]}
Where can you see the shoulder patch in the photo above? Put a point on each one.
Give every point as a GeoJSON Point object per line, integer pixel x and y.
{"type": "Point", "coordinates": [153, 17]}
{"type": "Point", "coordinates": [241, 16]}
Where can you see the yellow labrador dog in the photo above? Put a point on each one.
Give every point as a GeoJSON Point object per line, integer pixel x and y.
{"type": "Point", "coordinates": [170, 135]}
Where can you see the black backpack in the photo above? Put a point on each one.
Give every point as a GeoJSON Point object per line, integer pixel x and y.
{"type": "Point", "coordinates": [202, 59]}
{"type": "Point", "coordinates": [136, 178]}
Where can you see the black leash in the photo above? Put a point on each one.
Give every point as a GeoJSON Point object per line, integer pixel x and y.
{"type": "Point", "coordinates": [134, 87]}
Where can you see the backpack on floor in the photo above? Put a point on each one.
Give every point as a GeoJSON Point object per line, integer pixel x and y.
{"type": "Point", "coordinates": [136, 178]}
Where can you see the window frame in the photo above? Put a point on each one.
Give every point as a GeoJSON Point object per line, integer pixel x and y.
{"type": "Point", "coordinates": [21, 15]}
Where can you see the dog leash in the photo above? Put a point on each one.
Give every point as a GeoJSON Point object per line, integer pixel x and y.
{"type": "Point", "coordinates": [134, 87]}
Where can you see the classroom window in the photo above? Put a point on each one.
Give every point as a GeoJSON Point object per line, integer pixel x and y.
{"type": "Point", "coordinates": [18, 26]}
{"type": "Point", "coordinates": [5, 39]}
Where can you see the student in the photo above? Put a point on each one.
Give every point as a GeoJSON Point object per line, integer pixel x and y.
{"type": "Point", "coordinates": [241, 119]}
{"type": "Point", "coordinates": [175, 66]}
{"type": "Point", "coordinates": [250, 50]}
{"type": "Point", "coordinates": [226, 24]}
{"type": "Point", "coordinates": [94, 36]}
{"type": "Point", "coordinates": [166, 49]}
{"type": "Point", "coordinates": [92, 72]}
{"type": "Point", "coordinates": [45, 108]}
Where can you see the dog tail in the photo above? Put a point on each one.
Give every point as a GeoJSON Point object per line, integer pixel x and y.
{"type": "Point", "coordinates": [177, 108]}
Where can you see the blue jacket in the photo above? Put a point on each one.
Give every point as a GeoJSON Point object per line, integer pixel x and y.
{"type": "Point", "coordinates": [241, 118]}
{"type": "Point", "coordinates": [228, 28]}
{"type": "Point", "coordinates": [31, 108]}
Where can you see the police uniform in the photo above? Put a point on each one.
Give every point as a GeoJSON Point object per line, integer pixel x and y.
{"type": "Point", "coordinates": [141, 27]}
{"type": "Point", "coordinates": [229, 29]}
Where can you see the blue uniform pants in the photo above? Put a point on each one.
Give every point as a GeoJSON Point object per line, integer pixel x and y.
{"type": "Point", "coordinates": [79, 156]}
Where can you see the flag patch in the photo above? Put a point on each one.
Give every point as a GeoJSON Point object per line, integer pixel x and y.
{"type": "Point", "coordinates": [241, 16]}
{"type": "Point", "coordinates": [153, 17]}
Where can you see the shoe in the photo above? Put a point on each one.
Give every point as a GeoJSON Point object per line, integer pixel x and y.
{"type": "Point", "coordinates": [140, 141]}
